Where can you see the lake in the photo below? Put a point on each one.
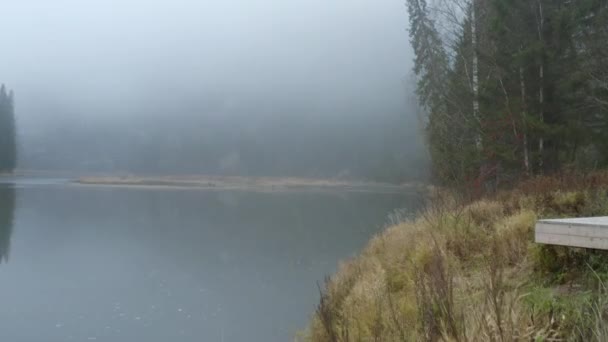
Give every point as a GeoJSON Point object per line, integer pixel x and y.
{"type": "Point", "coordinates": [157, 265]}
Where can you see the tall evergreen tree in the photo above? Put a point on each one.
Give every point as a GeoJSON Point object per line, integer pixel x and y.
{"type": "Point", "coordinates": [8, 144]}
{"type": "Point", "coordinates": [431, 67]}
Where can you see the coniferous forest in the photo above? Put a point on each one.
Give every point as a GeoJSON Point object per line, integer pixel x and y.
{"type": "Point", "coordinates": [511, 88]}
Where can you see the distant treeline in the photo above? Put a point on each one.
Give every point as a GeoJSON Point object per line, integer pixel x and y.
{"type": "Point", "coordinates": [8, 144]}
{"type": "Point", "coordinates": [382, 144]}
{"type": "Point", "coordinates": [512, 88]}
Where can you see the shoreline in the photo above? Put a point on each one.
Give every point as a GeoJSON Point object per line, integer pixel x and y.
{"type": "Point", "coordinates": [265, 184]}
{"type": "Point", "coordinates": [481, 260]}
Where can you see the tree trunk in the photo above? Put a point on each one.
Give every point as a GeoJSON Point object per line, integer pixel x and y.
{"type": "Point", "coordinates": [541, 116]}
{"type": "Point", "coordinates": [522, 84]}
{"type": "Point", "coordinates": [475, 67]}
{"type": "Point", "coordinates": [541, 77]}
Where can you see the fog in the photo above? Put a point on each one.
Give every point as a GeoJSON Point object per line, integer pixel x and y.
{"type": "Point", "coordinates": [313, 88]}
{"type": "Point", "coordinates": [159, 96]}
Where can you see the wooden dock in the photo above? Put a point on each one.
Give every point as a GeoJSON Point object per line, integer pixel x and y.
{"type": "Point", "coordinates": [586, 232]}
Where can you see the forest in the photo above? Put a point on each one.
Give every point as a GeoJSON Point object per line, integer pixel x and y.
{"type": "Point", "coordinates": [511, 88]}
{"type": "Point", "coordinates": [257, 137]}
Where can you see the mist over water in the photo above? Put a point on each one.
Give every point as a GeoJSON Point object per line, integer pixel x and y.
{"type": "Point", "coordinates": [131, 89]}
{"type": "Point", "coordinates": [267, 87]}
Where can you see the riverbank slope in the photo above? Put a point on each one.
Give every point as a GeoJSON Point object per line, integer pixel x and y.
{"type": "Point", "coordinates": [469, 271]}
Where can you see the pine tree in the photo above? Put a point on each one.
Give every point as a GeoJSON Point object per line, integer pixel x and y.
{"type": "Point", "coordinates": [431, 69]}
{"type": "Point", "coordinates": [8, 145]}
{"type": "Point", "coordinates": [431, 63]}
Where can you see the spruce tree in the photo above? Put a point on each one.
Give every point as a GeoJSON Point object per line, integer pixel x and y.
{"type": "Point", "coordinates": [8, 145]}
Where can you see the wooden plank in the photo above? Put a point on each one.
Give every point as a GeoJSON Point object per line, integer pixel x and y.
{"type": "Point", "coordinates": [595, 221]}
{"type": "Point", "coordinates": [572, 241]}
{"type": "Point", "coordinates": [590, 232]}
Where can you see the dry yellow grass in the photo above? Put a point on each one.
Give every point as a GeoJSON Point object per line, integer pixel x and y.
{"type": "Point", "coordinates": [464, 273]}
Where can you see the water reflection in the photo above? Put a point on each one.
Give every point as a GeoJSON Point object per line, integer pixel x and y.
{"type": "Point", "coordinates": [158, 265]}
{"type": "Point", "coordinates": [7, 208]}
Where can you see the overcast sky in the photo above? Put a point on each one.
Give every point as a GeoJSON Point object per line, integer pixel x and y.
{"type": "Point", "coordinates": [105, 57]}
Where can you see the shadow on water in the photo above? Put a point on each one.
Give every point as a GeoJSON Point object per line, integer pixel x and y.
{"type": "Point", "coordinates": [7, 208]}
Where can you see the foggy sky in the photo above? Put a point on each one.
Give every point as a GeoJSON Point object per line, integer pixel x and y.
{"type": "Point", "coordinates": [111, 58]}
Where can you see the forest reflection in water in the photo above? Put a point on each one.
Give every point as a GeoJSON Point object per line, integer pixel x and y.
{"type": "Point", "coordinates": [7, 209]}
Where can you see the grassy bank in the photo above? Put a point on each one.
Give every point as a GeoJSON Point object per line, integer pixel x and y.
{"type": "Point", "coordinates": [469, 271]}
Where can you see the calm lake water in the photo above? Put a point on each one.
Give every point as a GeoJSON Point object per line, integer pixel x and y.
{"type": "Point", "coordinates": [112, 264]}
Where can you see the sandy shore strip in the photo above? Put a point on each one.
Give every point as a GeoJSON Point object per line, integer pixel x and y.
{"type": "Point", "coordinates": [239, 183]}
